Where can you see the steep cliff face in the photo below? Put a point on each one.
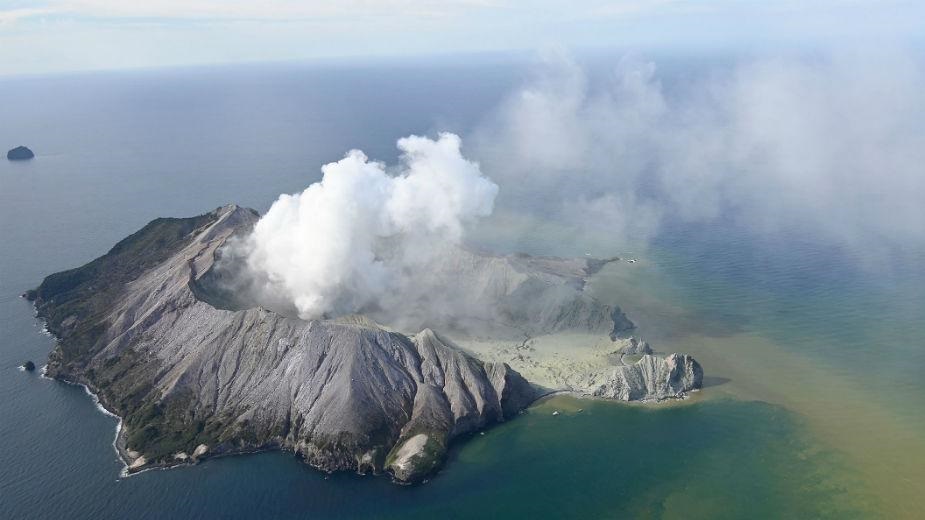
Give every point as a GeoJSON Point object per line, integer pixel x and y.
{"type": "Point", "coordinates": [183, 374]}
{"type": "Point", "coordinates": [650, 378]}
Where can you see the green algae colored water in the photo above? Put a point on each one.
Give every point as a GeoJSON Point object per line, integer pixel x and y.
{"type": "Point", "coordinates": [812, 406]}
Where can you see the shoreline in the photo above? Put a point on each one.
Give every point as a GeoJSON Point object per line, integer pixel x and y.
{"type": "Point", "coordinates": [564, 362]}
{"type": "Point", "coordinates": [99, 406]}
{"type": "Point", "coordinates": [118, 441]}
{"type": "Point", "coordinates": [127, 459]}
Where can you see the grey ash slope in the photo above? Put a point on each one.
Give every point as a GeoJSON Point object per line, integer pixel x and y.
{"type": "Point", "coordinates": [520, 295]}
{"type": "Point", "coordinates": [183, 373]}
{"type": "Point", "coordinates": [146, 329]}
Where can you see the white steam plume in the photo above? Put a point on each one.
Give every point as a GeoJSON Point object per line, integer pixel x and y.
{"type": "Point", "coordinates": [347, 243]}
{"type": "Point", "coordinates": [833, 145]}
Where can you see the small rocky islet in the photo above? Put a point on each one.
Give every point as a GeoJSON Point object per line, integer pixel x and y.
{"type": "Point", "coordinates": [20, 153]}
{"type": "Point", "coordinates": [150, 329]}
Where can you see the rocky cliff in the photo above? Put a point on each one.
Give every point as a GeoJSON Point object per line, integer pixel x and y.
{"type": "Point", "coordinates": [652, 378]}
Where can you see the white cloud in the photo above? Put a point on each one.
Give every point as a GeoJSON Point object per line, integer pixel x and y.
{"type": "Point", "coordinates": [269, 10]}
{"type": "Point", "coordinates": [348, 242]}
{"type": "Point", "coordinates": [830, 145]}
{"type": "Point", "coordinates": [101, 34]}
{"type": "Point", "coordinates": [9, 16]}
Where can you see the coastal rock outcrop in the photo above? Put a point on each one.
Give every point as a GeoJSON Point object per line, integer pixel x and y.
{"type": "Point", "coordinates": [652, 378]}
{"type": "Point", "coordinates": [20, 153]}
{"type": "Point", "coordinates": [636, 347]}
{"type": "Point", "coordinates": [183, 374]}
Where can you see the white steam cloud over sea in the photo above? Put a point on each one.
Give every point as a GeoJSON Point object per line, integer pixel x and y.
{"type": "Point", "coordinates": [831, 145]}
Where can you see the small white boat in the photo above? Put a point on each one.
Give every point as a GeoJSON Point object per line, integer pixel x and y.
{"type": "Point", "coordinates": [556, 412]}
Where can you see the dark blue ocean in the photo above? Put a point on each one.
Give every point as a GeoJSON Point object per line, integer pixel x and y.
{"type": "Point", "coordinates": [813, 406]}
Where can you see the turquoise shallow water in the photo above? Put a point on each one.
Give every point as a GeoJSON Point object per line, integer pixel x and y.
{"type": "Point", "coordinates": [859, 314]}
{"type": "Point", "coordinates": [115, 151]}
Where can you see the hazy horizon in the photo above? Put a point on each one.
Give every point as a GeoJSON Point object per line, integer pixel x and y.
{"type": "Point", "coordinates": [51, 36]}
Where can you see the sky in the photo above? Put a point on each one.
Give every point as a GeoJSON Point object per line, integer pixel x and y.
{"type": "Point", "coordinates": [53, 36]}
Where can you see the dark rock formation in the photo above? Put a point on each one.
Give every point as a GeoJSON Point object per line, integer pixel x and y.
{"type": "Point", "coordinates": [29, 366]}
{"type": "Point", "coordinates": [20, 153]}
{"type": "Point", "coordinates": [621, 324]}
